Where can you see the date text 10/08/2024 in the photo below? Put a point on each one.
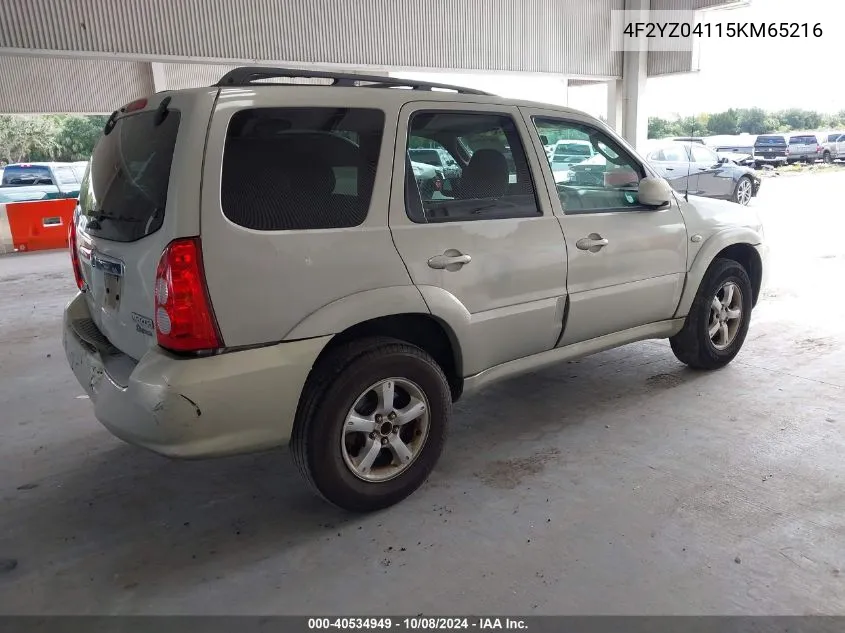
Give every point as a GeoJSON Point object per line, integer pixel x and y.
{"type": "Point", "coordinates": [723, 29]}
{"type": "Point", "coordinates": [419, 623]}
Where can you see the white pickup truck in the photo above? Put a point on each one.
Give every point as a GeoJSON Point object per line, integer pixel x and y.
{"type": "Point", "coordinates": [833, 147]}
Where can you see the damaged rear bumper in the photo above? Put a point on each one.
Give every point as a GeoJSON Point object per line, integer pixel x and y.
{"type": "Point", "coordinates": [190, 407]}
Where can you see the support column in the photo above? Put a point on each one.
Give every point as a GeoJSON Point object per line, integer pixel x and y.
{"type": "Point", "coordinates": [614, 104]}
{"type": "Point", "coordinates": [159, 77]}
{"type": "Point", "coordinates": [634, 76]}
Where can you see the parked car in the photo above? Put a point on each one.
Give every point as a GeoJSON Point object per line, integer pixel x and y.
{"type": "Point", "coordinates": [833, 147]}
{"type": "Point", "coordinates": [698, 170]}
{"type": "Point", "coordinates": [429, 178]}
{"type": "Point", "coordinates": [233, 298]}
{"type": "Point", "coordinates": [568, 153]}
{"type": "Point", "coordinates": [805, 148]}
{"type": "Point", "coordinates": [439, 158]}
{"type": "Point", "coordinates": [37, 181]}
{"type": "Point", "coordinates": [771, 149]}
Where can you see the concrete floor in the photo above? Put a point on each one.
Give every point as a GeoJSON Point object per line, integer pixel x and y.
{"type": "Point", "coordinates": [620, 484]}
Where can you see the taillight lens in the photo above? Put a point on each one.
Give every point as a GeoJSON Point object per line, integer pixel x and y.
{"type": "Point", "coordinates": [183, 316]}
{"type": "Point", "coordinates": [74, 255]}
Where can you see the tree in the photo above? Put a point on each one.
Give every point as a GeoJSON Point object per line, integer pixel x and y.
{"type": "Point", "coordinates": [77, 136]}
{"type": "Point", "coordinates": [753, 121]}
{"type": "Point", "coordinates": [723, 122]}
{"type": "Point", "coordinates": [26, 138]}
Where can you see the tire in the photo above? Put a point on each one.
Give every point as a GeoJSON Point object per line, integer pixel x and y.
{"type": "Point", "coordinates": [693, 345]}
{"type": "Point", "coordinates": [826, 159]}
{"type": "Point", "coordinates": [744, 191]}
{"type": "Point", "coordinates": [336, 383]}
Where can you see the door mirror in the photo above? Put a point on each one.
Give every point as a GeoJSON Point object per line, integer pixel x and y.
{"type": "Point", "coordinates": [723, 160]}
{"type": "Point", "coordinates": [654, 192]}
{"type": "Point", "coordinates": [544, 139]}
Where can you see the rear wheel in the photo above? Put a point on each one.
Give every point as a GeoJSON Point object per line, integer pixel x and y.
{"type": "Point", "coordinates": [826, 158]}
{"type": "Point", "coordinates": [743, 190]}
{"type": "Point", "coordinates": [718, 319]}
{"type": "Point", "coordinates": [372, 423]}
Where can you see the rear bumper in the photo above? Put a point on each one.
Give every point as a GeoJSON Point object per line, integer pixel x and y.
{"type": "Point", "coordinates": [191, 407]}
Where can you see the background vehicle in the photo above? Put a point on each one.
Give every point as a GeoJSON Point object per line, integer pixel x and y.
{"type": "Point", "coordinates": [701, 171]}
{"type": "Point", "coordinates": [833, 147]}
{"type": "Point", "coordinates": [568, 153]}
{"type": "Point", "coordinates": [268, 273]}
{"type": "Point", "coordinates": [439, 158]}
{"type": "Point", "coordinates": [804, 147]}
{"type": "Point", "coordinates": [39, 181]}
{"type": "Point", "coordinates": [771, 149]}
{"type": "Point", "coordinates": [429, 178]}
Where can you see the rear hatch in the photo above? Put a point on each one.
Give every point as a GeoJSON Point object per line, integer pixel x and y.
{"type": "Point", "coordinates": [130, 208]}
{"type": "Point", "coordinates": [770, 146]}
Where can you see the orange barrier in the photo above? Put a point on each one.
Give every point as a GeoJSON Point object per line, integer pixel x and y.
{"type": "Point", "coordinates": [40, 225]}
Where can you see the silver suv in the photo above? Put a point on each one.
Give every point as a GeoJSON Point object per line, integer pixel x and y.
{"type": "Point", "coordinates": [258, 266]}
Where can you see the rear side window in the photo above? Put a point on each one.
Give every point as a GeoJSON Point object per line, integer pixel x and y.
{"type": "Point", "coordinates": [125, 192]}
{"type": "Point", "coordinates": [25, 175]}
{"type": "Point", "coordinates": [494, 181]}
{"type": "Point", "coordinates": [300, 168]}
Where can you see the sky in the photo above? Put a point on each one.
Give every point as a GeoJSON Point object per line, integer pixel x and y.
{"type": "Point", "coordinates": [771, 73]}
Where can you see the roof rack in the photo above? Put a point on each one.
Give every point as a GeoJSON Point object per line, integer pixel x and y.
{"type": "Point", "coordinates": [246, 75]}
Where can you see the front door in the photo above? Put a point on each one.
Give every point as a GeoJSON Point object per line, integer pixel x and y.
{"type": "Point", "coordinates": [627, 262]}
{"type": "Point", "coordinates": [715, 180]}
{"type": "Point", "coordinates": [488, 255]}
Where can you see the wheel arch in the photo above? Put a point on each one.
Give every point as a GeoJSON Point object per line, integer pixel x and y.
{"type": "Point", "coordinates": [420, 329]}
{"type": "Point", "coordinates": [736, 244]}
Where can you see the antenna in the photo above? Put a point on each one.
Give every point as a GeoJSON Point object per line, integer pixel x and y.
{"type": "Point", "coordinates": [689, 163]}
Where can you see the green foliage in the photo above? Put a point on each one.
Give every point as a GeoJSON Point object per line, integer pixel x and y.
{"type": "Point", "coordinates": [49, 137]}
{"type": "Point", "coordinates": [744, 120]}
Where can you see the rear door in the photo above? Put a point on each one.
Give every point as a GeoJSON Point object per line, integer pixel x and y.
{"type": "Point", "coordinates": [715, 179]}
{"type": "Point", "coordinates": [492, 249]}
{"type": "Point", "coordinates": [141, 192]}
{"type": "Point", "coordinates": [673, 163]}
{"type": "Point", "coordinates": [840, 147]}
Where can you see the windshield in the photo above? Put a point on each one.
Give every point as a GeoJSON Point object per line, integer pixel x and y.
{"type": "Point", "coordinates": [125, 192]}
{"type": "Point", "coordinates": [25, 175]}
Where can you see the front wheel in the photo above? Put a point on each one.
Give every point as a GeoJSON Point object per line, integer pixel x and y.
{"type": "Point", "coordinates": [372, 423]}
{"type": "Point", "coordinates": [743, 191]}
{"type": "Point", "coordinates": [718, 319]}
{"type": "Point", "coordinates": [826, 158]}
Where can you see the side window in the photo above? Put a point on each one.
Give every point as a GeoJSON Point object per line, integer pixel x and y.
{"type": "Point", "coordinates": [607, 180]}
{"type": "Point", "coordinates": [675, 154]}
{"type": "Point", "coordinates": [65, 175]}
{"type": "Point", "coordinates": [300, 168]}
{"type": "Point", "coordinates": [487, 177]}
{"type": "Point", "coordinates": [701, 154]}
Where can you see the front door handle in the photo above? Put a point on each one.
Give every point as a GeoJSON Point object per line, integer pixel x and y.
{"type": "Point", "coordinates": [451, 260]}
{"type": "Point", "coordinates": [593, 243]}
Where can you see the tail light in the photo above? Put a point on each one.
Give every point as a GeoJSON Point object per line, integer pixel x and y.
{"type": "Point", "coordinates": [787, 151]}
{"type": "Point", "coordinates": [818, 149]}
{"type": "Point", "coordinates": [74, 255]}
{"type": "Point", "coordinates": [184, 319]}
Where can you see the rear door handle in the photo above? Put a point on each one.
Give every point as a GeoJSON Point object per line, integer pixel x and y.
{"type": "Point", "coordinates": [593, 243]}
{"type": "Point", "coordinates": [451, 260]}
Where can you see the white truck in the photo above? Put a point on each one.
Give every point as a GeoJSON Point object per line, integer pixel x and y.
{"type": "Point", "coordinates": [833, 147]}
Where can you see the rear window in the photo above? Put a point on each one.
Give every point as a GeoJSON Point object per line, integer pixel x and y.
{"type": "Point", "coordinates": [770, 140]}
{"type": "Point", "coordinates": [125, 192]}
{"type": "Point", "coordinates": [26, 175]}
{"type": "Point", "coordinates": [300, 168]}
